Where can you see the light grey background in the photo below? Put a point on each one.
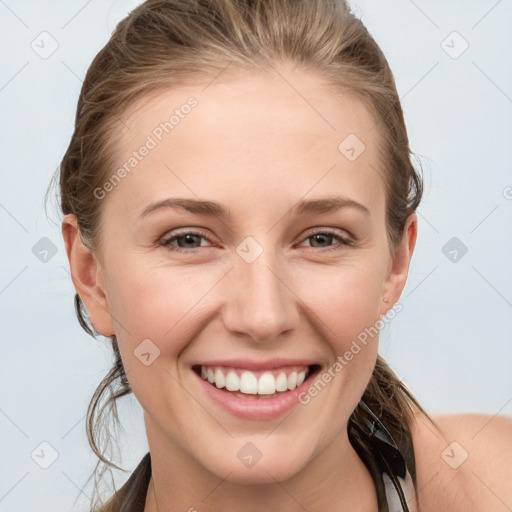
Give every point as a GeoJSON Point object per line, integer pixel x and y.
{"type": "Point", "coordinates": [451, 344]}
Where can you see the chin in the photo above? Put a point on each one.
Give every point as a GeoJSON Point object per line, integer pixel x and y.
{"type": "Point", "coordinates": [258, 460]}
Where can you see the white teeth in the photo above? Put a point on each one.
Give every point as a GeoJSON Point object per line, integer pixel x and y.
{"type": "Point", "coordinates": [232, 382]}
{"type": "Point", "coordinates": [220, 381]}
{"type": "Point", "coordinates": [281, 382]}
{"type": "Point", "coordinates": [250, 384]}
{"type": "Point", "coordinates": [266, 384]}
{"type": "Point", "coordinates": [292, 380]}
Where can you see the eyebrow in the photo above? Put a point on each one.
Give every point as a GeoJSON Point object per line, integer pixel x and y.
{"type": "Point", "coordinates": [213, 209]}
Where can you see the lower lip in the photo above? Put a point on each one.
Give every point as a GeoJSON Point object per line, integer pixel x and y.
{"type": "Point", "coordinates": [255, 408]}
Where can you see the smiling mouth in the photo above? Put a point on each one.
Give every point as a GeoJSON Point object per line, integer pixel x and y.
{"type": "Point", "coordinates": [258, 384]}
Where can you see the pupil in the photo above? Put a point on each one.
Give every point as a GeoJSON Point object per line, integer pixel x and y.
{"type": "Point", "coordinates": [315, 237]}
{"type": "Point", "coordinates": [187, 238]}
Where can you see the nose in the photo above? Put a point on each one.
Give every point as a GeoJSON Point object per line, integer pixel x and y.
{"type": "Point", "coordinates": [260, 302]}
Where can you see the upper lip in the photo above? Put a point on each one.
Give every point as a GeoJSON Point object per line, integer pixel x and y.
{"type": "Point", "coordinates": [252, 364]}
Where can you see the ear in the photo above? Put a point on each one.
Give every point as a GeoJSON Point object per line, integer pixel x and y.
{"type": "Point", "coordinates": [399, 265]}
{"type": "Point", "coordinates": [87, 276]}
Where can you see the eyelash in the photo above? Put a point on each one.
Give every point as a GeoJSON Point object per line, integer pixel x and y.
{"type": "Point", "coordinates": [344, 241]}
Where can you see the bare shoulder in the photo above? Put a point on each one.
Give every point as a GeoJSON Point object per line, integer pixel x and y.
{"type": "Point", "coordinates": [463, 462]}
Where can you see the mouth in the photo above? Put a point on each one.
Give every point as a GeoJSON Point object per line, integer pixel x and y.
{"type": "Point", "coordinates": [256, 384]}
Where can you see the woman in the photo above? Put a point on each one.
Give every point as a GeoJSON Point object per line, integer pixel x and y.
{"type": "Point", "coordinates": [269, 134]}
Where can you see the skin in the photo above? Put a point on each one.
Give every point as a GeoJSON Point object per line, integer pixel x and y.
{"type": "Point", "coordinates": [481, 483]}
{"type": "Point", "coordinates": [257, 147]}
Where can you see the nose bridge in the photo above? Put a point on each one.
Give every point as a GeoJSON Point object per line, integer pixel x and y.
{"type": "Point", "coordinates": [261, 304]}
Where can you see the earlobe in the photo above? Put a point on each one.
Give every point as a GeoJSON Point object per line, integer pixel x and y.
{"type": "Point", "coordinates": [87, 276]}
{"type": "Point", "coordinates": [399, 266]}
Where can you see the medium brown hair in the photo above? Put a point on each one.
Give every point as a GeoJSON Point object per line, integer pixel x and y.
{"type": "Point", "coordinates": [163, 43]}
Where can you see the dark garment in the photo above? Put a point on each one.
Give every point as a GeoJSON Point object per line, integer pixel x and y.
{"type": "Point", "coordinates": [391, 466]}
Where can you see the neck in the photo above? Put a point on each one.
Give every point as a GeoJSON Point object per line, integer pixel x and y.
{"type": "Point", "coordinates": [336, 480]}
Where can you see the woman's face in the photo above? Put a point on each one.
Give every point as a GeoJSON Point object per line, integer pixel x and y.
{"type": "Point", "coordinates": [253, 287]}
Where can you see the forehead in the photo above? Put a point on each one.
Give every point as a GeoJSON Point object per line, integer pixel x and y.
{"type": "Point", "coordinates": [274, 136]}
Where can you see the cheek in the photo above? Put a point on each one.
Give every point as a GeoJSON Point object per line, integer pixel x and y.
{"type": "Point", "coordinates": [345, 306]}
{"type": "Point", "coordinates": [154, 313]}
{"type": "Point", "coordinates": [345, 300]}
{"type": "Point", "coordinates": [163, 305]}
